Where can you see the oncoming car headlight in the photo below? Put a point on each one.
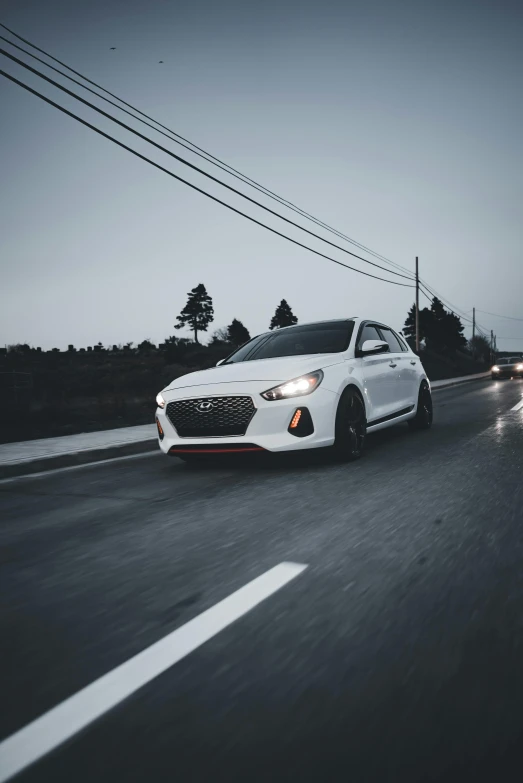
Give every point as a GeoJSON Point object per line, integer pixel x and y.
{"type": "Point", "coordinates": [298, 387]}
{"type": "Point", "coordinates": [160, 400]}
{"type": "Point", "coordinates": [495, 368]}
{"type": "Point", "coordinates": [519, 366]}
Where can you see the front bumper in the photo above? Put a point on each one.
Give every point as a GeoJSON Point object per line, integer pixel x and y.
{"type": "Point", "coordinates": [268, 428]}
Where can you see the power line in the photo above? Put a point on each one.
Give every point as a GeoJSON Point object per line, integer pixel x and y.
{"type": "Point", "coordinates": [190, 184]}
{"type": "Point", "coordinates": [191, 165]}
{"type": "Point", "coordinates": [201, 152]}
{"type": "Point", "coordinates": [227, 168]}
{"type": "Point", "coordinates": [497, 315]}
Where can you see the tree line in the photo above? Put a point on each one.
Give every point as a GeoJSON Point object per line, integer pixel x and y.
{"type": "Point", "coordinates": [198, 314]}
{"type": "Point", "coordinates": [441, 331]}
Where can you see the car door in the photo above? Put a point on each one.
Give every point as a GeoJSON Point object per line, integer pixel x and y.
{"type": "Point", "coordinates": [376, 373]}
{"type": "Point", "coordinates": [402, 381]}
{"type": "Point", "coordinates": [414, 370]}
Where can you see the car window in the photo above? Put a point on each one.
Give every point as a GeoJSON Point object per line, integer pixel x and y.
{"type": "Point", "coordinates": [401, 340]}
{"type": "Point", "coordinates": [515, 359]}
{"type": "Point", "coordinates": [503, 361]}
{"type": "Point", "coordinates": [368, 332]}
{"type": "Point", "coordinates": [328, 337]}
{"type": "Point", "coordinates": [391, 339]}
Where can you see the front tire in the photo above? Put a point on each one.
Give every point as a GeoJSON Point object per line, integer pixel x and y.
{"type": "Point", "coordinates": [424, 414]}
{"type": "Point", "coordinates": [350, 427]}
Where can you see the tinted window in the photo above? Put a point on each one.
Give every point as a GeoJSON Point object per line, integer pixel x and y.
{"type": "Point", "coordinates": [402, 341]}
{"type": "Point", "coordinates": [515, 359]}
{"type": "Point", "coordinates": [330, 337]}
{"type": "Point", "coordinates": [369, 333]}
{"type": "Point", "coordinates": [241, 354]}
{"type": "Point", "coordinates": [502, 361]}
{"type": "Point", "coordinates": [391, 339]}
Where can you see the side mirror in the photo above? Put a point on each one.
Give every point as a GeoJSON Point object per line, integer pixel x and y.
{"type": "Point", "coordinates": [220, 362]}
{"type": "Point", "coordinates": [370, 347]}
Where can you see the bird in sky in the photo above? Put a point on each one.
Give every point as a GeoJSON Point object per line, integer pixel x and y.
{"type": "Point", "coordinates": [160, 61]}
{"type": "Point", "coordinates": [113, 48]}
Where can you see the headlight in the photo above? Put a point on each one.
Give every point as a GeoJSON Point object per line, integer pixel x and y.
{"type": "Point", "coordinates": [495, 368]}
{"type": "Point", "coordinates": [298, 387]}
{"type": "Point", "coordinates": [160, 401]}
{"type": "Point", "coordinates": [519, 366]}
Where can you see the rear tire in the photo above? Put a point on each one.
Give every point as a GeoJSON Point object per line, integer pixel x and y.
{"type": "Point", "coordinates": [350, 427]}
{"type": "Point", "coordinates": [424, 415]}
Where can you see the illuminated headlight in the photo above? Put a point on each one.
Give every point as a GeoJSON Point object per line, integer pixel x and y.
{"type": "Point", "coordinates": [495, 368]}
{"type": "Point", "coordinates": [519, 366]}
{"type": "Point", "coordinates": [160, 401]}
{"type": "Point", "coordinates": [295, 388]}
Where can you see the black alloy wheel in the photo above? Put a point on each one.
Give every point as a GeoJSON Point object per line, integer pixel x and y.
{"type": "Point", "coordinates": [350, 427]}
{"type": "Point", "coordinates": [424, 411]}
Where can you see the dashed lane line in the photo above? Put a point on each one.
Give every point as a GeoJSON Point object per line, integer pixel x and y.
{"type": "Point", "coordinates": [75, 713]}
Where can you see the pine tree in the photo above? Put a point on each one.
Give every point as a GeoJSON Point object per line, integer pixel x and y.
{"type": "Point", "coordinates": [425, 320]}
{"type": "Point", "coordinates": [454, 338]}
{"type": "Point", "coordinates": [198, 313]}
{"type": "Point", "coordinates": [409, 329]}
{"type": "Point", "coordinates": [435, 327]}
{"type": "Point", "coordinates": [237, 333]}
{"type": "Point", "coordinates": [283, 316]}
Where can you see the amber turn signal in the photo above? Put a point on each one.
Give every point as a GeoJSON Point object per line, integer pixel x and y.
{"type": "Point", "coordinates": [295, 419]}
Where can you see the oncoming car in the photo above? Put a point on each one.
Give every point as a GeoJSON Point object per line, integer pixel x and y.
{"type": "Point", "coordinates": [511, 367]}
{"type": "Point", "coordinates": [323, 384]}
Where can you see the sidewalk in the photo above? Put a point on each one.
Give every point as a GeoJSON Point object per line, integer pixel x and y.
{"type": "Point", "coordinates": [34, 456]}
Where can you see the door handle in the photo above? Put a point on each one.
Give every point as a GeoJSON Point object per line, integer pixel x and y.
{"type": "Point", "coordinates": [392, 364]}
{"type": "Point", "coordinates": [413, 362]}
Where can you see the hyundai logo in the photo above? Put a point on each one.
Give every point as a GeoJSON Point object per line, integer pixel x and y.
{"type": "Point", "coordinates": [204, 407]}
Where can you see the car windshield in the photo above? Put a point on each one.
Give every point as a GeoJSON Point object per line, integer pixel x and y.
{"type": "Point", "coordinates": [512, 360]}
{"type": "Point", "coordinates": [328, 337]}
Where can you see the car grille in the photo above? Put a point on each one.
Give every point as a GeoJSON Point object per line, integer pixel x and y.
{"type": "Point", "coordinates": [211, 416]}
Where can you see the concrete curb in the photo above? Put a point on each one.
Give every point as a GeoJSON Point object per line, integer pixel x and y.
{"type": "Point", "coordinates": [69, 459]}
{"type": "Point", "coordinates": [445, 384]}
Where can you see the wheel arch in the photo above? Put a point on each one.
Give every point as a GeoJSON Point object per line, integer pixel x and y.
{"type": "Point", "coordinates": [352, 385]}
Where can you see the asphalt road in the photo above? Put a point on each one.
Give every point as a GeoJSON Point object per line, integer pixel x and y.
{"type": "Point", "coordinates": [396, 655]}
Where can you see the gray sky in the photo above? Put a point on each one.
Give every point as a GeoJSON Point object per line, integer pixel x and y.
{"type": "Point", "coordinates": [399, 123]}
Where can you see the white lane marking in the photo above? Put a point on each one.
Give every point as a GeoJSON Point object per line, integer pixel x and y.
{"type": "Point", "coordinates": [52, 471]}
{"type": "Point", "coordinates": [75, 713]}
{"type": "Point", "coordinates": [518, 406]}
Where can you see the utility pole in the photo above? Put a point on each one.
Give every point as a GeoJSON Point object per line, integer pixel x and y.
{"type": "Point", "coordinates": [417, 306]}
{"type": "Point", "coordinates": [473, 332]}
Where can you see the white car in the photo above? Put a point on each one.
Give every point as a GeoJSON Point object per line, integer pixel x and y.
{"type": "Point", "coordinates": [323, 384]}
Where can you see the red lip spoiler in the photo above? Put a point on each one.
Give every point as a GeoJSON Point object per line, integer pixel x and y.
{"type": "Point", "coordinates": [234, 450]}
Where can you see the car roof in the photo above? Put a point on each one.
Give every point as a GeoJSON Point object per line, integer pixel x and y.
{"type": "Point", "coordinates": [315, 323]}
{"type": "Point", "coordinates": [328, 321]}
{"type": "Point", "coordinates": [307, 323]}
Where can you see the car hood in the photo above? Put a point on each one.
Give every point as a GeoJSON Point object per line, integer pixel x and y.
{"type": "Point", "coordinates": [284, 368]}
